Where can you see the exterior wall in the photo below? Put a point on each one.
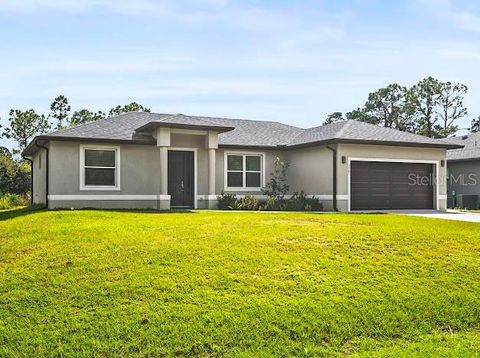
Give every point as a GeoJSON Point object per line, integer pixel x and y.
{"type": "Point", "coordinates": [139, 175]}
{"type": "Point", "coordinates": [310, 170]}
{"type": "Point", "coordinates": [39, 177]}
{"type": "Point", "coordinates": [463, 179]}
{"type": "Point", "coordinates": [389, 152]}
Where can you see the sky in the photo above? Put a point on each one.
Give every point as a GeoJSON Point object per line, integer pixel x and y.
{"type": "Point", "coordinates": [288, 61]}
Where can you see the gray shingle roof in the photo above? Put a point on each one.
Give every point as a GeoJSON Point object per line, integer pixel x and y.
{"type": "Point", "coordinates": [471, 150]}
{"type": "Point", "coordinates": [355, 131]}
{"type": "Point", "coordinates": [134, 127]}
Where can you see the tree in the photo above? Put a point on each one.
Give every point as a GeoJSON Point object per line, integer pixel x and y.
{"type": "Point", "coordinates": [60, 110]}
{"type": "Point", "coordinates": [475, 125]}
{"type": "Point", "coordinates": [14, 175]}
{"type": "Point", "coordinates": [5, 151]}
{"type": "Point", "coordinates": [24, 125]}
{"type": "Point", "coordinates": [451, 108]}
{"type": "Point", "coordinates": [131, 107]}
{"type": "Point", "coordinates": [362, 115]}
{"type": "Point", "coordinates": [422, 101]}
{"type": "Point", "coordinates": [85, 116]}
{"type": "Point", "coordinates": [334, 117]}
{"type": "Point", "coordinates": [386, 107]}
{"type": "Point", "coordinates": [429, 108]}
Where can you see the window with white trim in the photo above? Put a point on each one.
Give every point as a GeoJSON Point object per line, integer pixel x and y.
{"type": "Point", "coordinates": [244, 171]}
{"type": "Point", "coordinates": [99, 168]}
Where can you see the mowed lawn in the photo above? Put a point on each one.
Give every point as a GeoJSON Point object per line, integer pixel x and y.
{"type": "Point", "coordinates": [109, 283]}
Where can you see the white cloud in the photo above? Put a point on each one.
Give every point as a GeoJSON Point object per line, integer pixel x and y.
{"type": "Point", "coordinates": [449, 13]}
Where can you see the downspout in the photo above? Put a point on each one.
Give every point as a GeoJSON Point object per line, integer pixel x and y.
{"type": "Point", "coordinates": [334, 189]}
{"type": "Point", "coordinates": [46, 171]}
{"type": "Point", "coordinates": [31, 178]}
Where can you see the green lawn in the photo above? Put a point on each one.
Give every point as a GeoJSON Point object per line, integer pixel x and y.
{"type": "Point", "coordinates": [237, 284]}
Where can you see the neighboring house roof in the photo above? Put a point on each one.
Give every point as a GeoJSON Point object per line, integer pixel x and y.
{"type": "Point", "coordinates": [470, 151]}
{"type": "Point", "coordinates": [136, 127]}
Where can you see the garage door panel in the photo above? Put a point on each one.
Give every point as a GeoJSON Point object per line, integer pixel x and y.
{"type": "Point", "coordinates": [389, 185]}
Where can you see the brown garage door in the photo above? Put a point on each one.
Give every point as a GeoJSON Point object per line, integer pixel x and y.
{"type": "Point", "coordinates": [386, 185]}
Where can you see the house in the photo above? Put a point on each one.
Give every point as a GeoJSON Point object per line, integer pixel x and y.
{"type": "Point", "coordinates": [464, 172]}
{"type": "Point", "coordinates": [162, 161]}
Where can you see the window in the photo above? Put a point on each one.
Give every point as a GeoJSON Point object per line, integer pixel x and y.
{"type": "Point", "coordinates": [99, 168]}
{"type": "Point", "coordinates": [40, 160]}
{"type": "Point", "coordinates": [244, 171]}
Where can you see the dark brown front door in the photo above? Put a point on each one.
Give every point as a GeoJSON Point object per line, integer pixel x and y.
{"type": "Point", "coordinates": [389, 185]}
{"type": "Point", "coordinates": [181, 179]}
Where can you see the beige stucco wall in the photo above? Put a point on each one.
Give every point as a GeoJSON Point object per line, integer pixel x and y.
{"type": "Point", "coordinates": [139, 170]}
{"type": "Point", "coordinates": [389, 152]}
{"type": "Point", "coordinates": [39, 177]}
{"type": "Point", "coordinates": [311, 170]}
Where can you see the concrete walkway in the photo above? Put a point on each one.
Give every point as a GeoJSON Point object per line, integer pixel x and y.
{"type": "Point", "coordinates": [449, 215]}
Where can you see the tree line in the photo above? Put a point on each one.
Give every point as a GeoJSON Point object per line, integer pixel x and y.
{"type": "Point", "coordinates": [431, 108]}
{"type": "Point", "coordinates": [24, 125]}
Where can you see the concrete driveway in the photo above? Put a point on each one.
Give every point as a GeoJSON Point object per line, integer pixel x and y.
{"type": "Point", "coordinates": [449, 215]}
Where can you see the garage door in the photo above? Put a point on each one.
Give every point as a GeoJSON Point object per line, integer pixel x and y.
{"type": "Point", "coordinates": [388, 185]}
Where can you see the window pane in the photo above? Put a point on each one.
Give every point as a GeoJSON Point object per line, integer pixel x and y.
{"type": "Point", "coordinates": [253, 180]}
{"type": "Point", "coordinates": [235, 162]}
{"type": "Point", "coordinates": [234, 179]}
{"type": "Point", "coordinates": [99, 158]}
{"type": "Point", "coordinates": [253, 163]}
{"type": "Point", "coordinates": [99, 176]}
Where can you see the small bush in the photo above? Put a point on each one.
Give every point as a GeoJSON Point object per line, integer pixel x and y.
{"type": "Point", "coordinates": [248, 202]}
{"type": "Point", "coordinates": [10, 201]}
{"type": "Point", "coordinates": [226, 201]}
{"type": "Point", "coordinates": [301, 202]}
{"type": "Point", "coordinates": [298, 202]}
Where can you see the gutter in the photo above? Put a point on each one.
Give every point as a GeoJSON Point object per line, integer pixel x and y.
{"type": "Point", "coordinates": [31, 178]}
{"type": "Point", "coordinates": [46, 172]}
{"type": "Point", "coordinates": [334, 179]}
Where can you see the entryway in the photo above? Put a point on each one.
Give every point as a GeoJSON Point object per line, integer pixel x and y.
{"type": "Point", "coordinates": [181, 179]}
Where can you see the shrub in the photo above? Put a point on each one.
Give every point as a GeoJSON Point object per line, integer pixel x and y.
{"type": "Point", "coordinates": [226, 201]}
{"type": "Point", "coordinates": [301, 202]}
{"type": "Point", "coordinates": [277, 187]}
{"type": "Point", "coordinates": [248, 202]}
{"type": "Point", "coordinates": [9, 201]}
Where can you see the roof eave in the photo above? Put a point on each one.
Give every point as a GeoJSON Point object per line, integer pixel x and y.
{"type": "Point", "coordinates": [376, 142]}
{"type": "Point", "coordinates": [29, 150]}
{"type": "Point", "coordinates": [154, 125]}
{"type": "Point", "coordinates": [254, 147]}
{"type": "Point", "coordinates": [472, 159]}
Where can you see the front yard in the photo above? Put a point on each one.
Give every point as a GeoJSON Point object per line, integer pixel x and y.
{"type": "Point", "coordinates": [237, 284]}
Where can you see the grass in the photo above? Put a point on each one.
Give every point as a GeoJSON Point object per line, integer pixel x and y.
{"type": "Point", "coordinates": [109, 283]}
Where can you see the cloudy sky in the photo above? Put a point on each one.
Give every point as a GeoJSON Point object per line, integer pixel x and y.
{"type": "Point", "coordinates": [291, 61]}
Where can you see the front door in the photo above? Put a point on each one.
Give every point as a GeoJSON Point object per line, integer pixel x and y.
{"type": "Point", "coordinates": [181, 186]}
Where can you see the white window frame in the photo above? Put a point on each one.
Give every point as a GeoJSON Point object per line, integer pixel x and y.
{"type": "Point", "coordinates": [244, 171]}
{"type": "Point", "coordinates": [82, 167]}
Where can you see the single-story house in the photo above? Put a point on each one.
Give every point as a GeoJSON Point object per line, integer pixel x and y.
{"type": "Point", "coordinates": [162, 161]}
{"type": "Point", "coordinates": [464, 172]}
